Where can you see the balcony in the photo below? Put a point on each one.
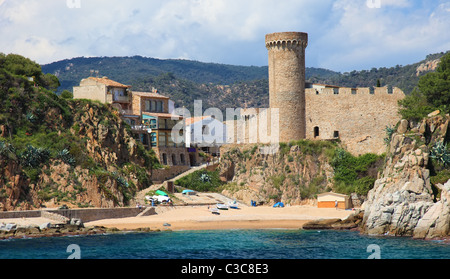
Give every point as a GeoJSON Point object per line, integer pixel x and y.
{"type": "Point", "coordinates": [126, 112]}
{"type": "Point", "coordinates": [141, 129]}
{"type": "Point", "coordinates": [121, 99]}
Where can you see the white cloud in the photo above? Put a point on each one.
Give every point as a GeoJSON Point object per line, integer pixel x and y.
{"type": "Point", "coordinates": [365, 38]}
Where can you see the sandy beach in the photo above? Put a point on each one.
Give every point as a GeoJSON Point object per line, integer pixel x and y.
{"type": "Point", "coordinates": [200, 218]}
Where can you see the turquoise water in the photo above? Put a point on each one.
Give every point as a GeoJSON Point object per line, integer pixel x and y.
{"type": "Point", "coordinates": [231, 244]}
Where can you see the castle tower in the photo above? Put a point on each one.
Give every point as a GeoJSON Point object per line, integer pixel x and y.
{"type": "Point", "coordinates": [287, 82]}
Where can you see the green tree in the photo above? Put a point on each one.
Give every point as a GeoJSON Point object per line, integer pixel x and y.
{"type": "Point", "coordinates": [66, 94]}
{"type": "Point", "coordinates": [436, 86]}
{"type": "Point", "coordinates": [415, 106]}
{"type": "Point", "coordinates": [432, 93]}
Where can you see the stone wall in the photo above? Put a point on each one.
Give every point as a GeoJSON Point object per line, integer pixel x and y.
{"type": "Point", "coordinates": [96, 92]}
{"type": "Point", "coordinates": [355, 116]}
{"type": "Point", "coordinates": [86, 215]}
{"type": "Point", "coordinates": [162, 175]}
{"type": "Point", "coordinates": [173, 156]}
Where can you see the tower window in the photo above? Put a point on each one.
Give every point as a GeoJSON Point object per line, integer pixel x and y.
{"type": "Point", "coordinates": [336, 134]}
{"type": "Point", "coordinates": [316, 132]}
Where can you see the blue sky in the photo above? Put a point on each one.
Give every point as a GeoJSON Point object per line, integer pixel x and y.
{"type": "Point", "coordinates": [344, 35]}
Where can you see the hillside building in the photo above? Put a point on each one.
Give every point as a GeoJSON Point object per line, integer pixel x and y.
{"type": "Point", "coordinates": [149, 114]}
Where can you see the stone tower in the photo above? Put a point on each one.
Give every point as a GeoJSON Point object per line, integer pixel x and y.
{"type": "Point", "coordinates": [287, 82]}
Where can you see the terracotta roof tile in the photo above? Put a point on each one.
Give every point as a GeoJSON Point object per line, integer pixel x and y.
{"type": "Point", "coordinates": [150, 95]}
{"type": "Point", "coordinates": [109, 82]}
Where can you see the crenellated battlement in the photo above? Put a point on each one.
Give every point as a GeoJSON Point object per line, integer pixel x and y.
{"type": "Point", "coordinates": [361, 91]}
{"type": "Point", "coordinates": [287, 40]}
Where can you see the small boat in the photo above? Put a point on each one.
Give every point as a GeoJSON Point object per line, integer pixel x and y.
{"type": "Point", "coordinates": [214, 211]}
{"type": "Point", "coordinates": [221, 206]}
{"type": "Point", "coordinates": [233, 205]}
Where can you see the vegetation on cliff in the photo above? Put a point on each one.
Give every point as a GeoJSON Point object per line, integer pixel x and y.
{"type": "Point", "coordinates": [84, 142]}
{"type": "Point", "coordinates": [432, 93]}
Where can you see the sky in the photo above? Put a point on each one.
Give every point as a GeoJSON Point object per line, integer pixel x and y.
{"type": "Point", "coordinates": [344, 35]}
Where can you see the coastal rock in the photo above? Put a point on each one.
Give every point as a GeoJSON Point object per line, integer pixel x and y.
{"type": "Point", "coordinates": [322, 224]}
{"type": "Point", "coordinates": [352, 222]}
{"type": "Point", "coordinates": [402, 201]}
{"type": "Point", "coordinates": [436, 222]}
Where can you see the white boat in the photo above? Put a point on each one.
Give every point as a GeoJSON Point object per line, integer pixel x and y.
{"type": "Point", "coordinates": [233, 205]}
{"type": "Point", "coordinates": [214, 211]}
{"type": "Point", "coordinates": [221, 206]}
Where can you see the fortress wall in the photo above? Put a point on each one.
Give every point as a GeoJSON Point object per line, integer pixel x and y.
{"type": "Point", "coordinates": [360, 119]}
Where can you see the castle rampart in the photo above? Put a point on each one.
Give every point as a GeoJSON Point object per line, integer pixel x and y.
{"type": "Point", "coordinates": [356, 116]}
{"type": "Point", "coordinates": [347, 91]}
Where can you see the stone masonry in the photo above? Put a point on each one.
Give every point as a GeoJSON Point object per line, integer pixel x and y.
{"type": "Point", "coordinates": [287, 82]}
{"type": "Point", "coordinates": [356, 116]}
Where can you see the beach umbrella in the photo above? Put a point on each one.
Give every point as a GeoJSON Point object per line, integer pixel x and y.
{"type": "Point", "coordinates": [161, 193]}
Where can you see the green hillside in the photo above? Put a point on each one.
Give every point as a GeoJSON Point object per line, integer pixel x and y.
{"type": "Point", "coordinates": [218, 85]}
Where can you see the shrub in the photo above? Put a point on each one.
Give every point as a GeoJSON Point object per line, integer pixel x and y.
{"type": "Point", "coordinates": [441, 154]}
{"type": "Point", "coordinates": [389, 132]}
{"type": "Point", "coordinates": [66, 157]}
{"type": "Point", "coordinates": [33, 157]}
{"type": "Point", "coordinates": [352, 174]}
{"type": "Point", "coordinates": [201, 181]}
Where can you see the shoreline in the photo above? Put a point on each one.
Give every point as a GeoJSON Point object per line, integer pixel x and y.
{"type": "Point", "coordinates": [200, 218]}
{"type": "Point", "coordinates": [186, 218]}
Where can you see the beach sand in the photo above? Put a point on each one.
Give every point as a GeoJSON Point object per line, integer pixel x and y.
{"type": "Point", "coordinates": [200, 218]}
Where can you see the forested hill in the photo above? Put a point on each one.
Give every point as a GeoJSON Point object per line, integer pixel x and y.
{"type": "Point", "coordinates": [129, 70]}
{"type": "Point", "coordinates": [220, 85]}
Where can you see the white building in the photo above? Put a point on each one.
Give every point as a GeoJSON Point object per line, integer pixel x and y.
{"type": "Point", "coordinates": [205, 133]}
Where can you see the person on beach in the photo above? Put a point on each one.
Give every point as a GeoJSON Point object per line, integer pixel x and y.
{"type": "Point", "coordinates": [336, 204]}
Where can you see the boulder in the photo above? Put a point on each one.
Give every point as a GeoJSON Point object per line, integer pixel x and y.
{"type": "Point", "coordinates": [76, 222]}
{"type": "Point", "coordinates": [436, 222]}
{"type": "Point", "coordinates": [434, 113]}
{"type": "Point", "coordinates": [321, 224]}
{"type": "Point", "coordinates": [403, 127]}
{"type": "Point", "coordinates": [45, 226]}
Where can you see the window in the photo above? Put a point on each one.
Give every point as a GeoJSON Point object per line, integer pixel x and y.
{"type": "Point", "coordinates": [182, 159]}
{"type": "Point", "coordinates": [205, 130]}
{"type": "Point", "coordinates": [147, 106]}
{"type": "Point", "coordinates": [162, 140]}
{"type": "Point", "coordinates": [153, 124]}
{"type": "Point", "coordinates": [174, 160]}
{"type": "Point", "coordinates": [160, 106]}
{"type": "Point", "coordinates": [316, 132]}
{"type": "Point", "coordinates": [170, 142]}
{"type": "Point", "coordinates": [144, 139]}
{"type": "Point", "coordinates": [153, 108]}
{"type": "Point", "coordinates": [153, 139]}
{"type": "Point", "coordinates": [164, 159]}
{"type": "Point", "coordinates": [336, 134]}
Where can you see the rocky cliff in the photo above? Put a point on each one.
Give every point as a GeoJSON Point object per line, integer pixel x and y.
{"type": "Point", "coordinates": [55, 151]}
{"type": "Point", "coordinates": [411, 196]}
{"type": "Point", "coordinates": [101, 166]}
{"type": "Point", "coordinates": [294, 174]}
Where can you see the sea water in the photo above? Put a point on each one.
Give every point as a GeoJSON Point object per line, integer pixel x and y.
{"type": "Point", "coordinates": [228, 244]}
